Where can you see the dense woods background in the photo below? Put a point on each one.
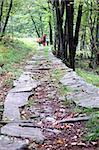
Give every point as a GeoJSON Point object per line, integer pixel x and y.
{"type": "Point", "coordinates": [71, 26]}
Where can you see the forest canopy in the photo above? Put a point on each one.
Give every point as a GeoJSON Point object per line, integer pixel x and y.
{"type": "Point", "coordinates": [69, 25]}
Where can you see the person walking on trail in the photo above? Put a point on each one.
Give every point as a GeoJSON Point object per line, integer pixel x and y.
{"type": "Point", "coordinates": [44, 40]}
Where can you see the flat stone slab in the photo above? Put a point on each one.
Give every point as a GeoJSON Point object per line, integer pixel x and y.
{"type": "Point", "coordinates": [31, 62]}
{"type": "Point", "coordinates": [11, 112]}
{"type": "Point", "coordinates": [12, 103]}
{"type": "Point", "coordinates": [13, 129]}
{"type": "Point", "coordinates": [91, 102]}
{"type": "Point", "coordinates": [86, 95]}
{"type": "Point", "coordinates": [24, 87]}
{"type": "Point", "coordinates": [38, 58]}
{"type": "Point", "coordinates": [18, 96]}
{"type": "Point", "coordinates": [25, 83]}
{"type": "Point", "coordinates": [19, 99]}
{"type": "Point", "coordinates": [6, 144]}
{"type": "Point", "coordinates": [84, 99]}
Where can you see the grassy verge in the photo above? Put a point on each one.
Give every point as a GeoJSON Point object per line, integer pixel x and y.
{"type": "Point", "coordinates": [13, 56]}
{"type": "Point", "coordinates": [12, 53]}
{"type": "Point", "coordinates": [90, 77]}
{"type": "Point", "coordinates": [92, 125]}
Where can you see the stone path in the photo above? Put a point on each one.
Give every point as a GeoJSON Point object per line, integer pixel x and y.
{"type": "Point", "coordinates": [83, 94]}
{"type": "Point", "coordinates": [36, 98]}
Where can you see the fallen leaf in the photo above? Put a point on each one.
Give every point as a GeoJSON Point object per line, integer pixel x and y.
{"type": "Point", "coordinates": [67, 126]}
{"type": "Point", "coordinates": [60, 141]}
{"type": "Point", "coordinates": [81, 144]}
{"type": "Point", "coordinates": [66, 145]}
{"type": "Point", "coordinates": [74, 143]}
{"type": "Point", "coordinates": [94, 143]}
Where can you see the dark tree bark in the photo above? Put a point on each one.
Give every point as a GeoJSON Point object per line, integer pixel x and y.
{"type": "Point", "coordinates": [78, 22]}
{"type": "Point", "coordinates": [92, 27]}
{"type": "Point", "coordinates": [97, 36]}
{"type": "Point", "coordinates": [83, 39]}
{"type": "Point", "coordinates": [1, 13]}
{"type": "Point", "coordinates": [50, 31]}
{"type": "Point", "coordinates": [50, 24]}
{"type": "Point", "coordinates": [59, 23]}
{"type": "Point", "coordinates": [55, 28]}
{"type": "Point", "coordinates": [73, 39]}
{"type": "Point", "coordinates": [38, 34]}
{"type": "Point", "coordinates": [7, 18]}
{"type": "Point", "coordinates": [65, 38]}
{"type": "Point", "coordinates": [70, 16]}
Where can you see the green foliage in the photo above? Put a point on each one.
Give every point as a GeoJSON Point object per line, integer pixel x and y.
{"type": "Point", "coordinates": [89, 76]}
{"type": "Point", "coordinates": [46, 53]}
{"type": "Point", "coordinates": [57, 74]}
{"type": "Point", "coordinates": [93, 128]}
{"type": "Point", "coordinates": [92, 125]}
{"type": "Point", "coordinates": [12, 53]}
{"type": "Point", "coordinates": [20, 23]}
{"type": "Point", "coordinates": [30, 102]}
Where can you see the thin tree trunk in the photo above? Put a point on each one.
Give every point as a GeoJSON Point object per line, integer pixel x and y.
{"type": "Point", "coordinates": [59, 17]}
{"type": "Point", "coordinates": [92, 39]}
{"type": "Point", "coordinates": [50, 24]}
{"type": "Point", "coordinates": [69, 12]}
{"type": "Point", "coordinates": [1, 13]}
{"type": "Point", "coordinates": [78, 22]}
{"type": "Point", "coordinates": [7, 18]}
{"type": "Point", "coordinates": [50, 31]}
{"type": "Point", "coordinates": [38, 34]}
{"type": "Point", "coordinates": [65, 38]}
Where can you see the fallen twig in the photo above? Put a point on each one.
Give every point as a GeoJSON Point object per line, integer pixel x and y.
{"type": "Point", "coordinates": [69, 120]}
{"type": "Point", "coordinates": [72, 120]}
{"type": "Point", "coordinates": [3, 122]}
{"type": "Point", "coordinates": [35, 126]}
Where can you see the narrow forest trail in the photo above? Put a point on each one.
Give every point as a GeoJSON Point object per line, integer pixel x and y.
{"type": "Point", "coordinates": [41, 104]}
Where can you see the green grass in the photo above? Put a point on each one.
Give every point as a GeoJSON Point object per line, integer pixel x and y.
{"type": "Point", "coordinates": [13, 53]}
{"type": "Point", "coordinates": [63, 90]}
{"type": "Point", "coordinates": [92, 125]}
{"type": "Point", "coordinates": [46, 53]}
{"type": "Point", "coordinates": [93, 128]}
{"type": "Point", "coordinates": [30, 102]}
{"type": "Point", "coordinates": [90, 77]}
{"type": "Point", "coordinates": [58, 74]}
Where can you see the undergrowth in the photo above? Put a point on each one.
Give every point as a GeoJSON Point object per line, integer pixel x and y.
{"type": "Point", "coordinates": [90, 77]}
{"type": "Point", "coordinates": [12, 53]}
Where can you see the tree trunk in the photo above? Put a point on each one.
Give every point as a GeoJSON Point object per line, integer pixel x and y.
{"type": "Point", "coordinates": [7, 18]}
{"type": "Point", "coordinates": [65, 39]}
{"type": "Point", "coordinates": [50, 31]}
{"type": "Point", "coordinates": [92, 39]}
{"type": "Point", "coordinates": [38, 34]}
{"type": "Point", "coordinates": [97, 35]}
{"type": "Point", "coordinates": [70, 16]}
{"type": "Point", "coordinates": [59, 19]}
{"type": "Point", "coordinates": [1, 13]}
{"type": "Point", "coordinates": [78, 22]}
